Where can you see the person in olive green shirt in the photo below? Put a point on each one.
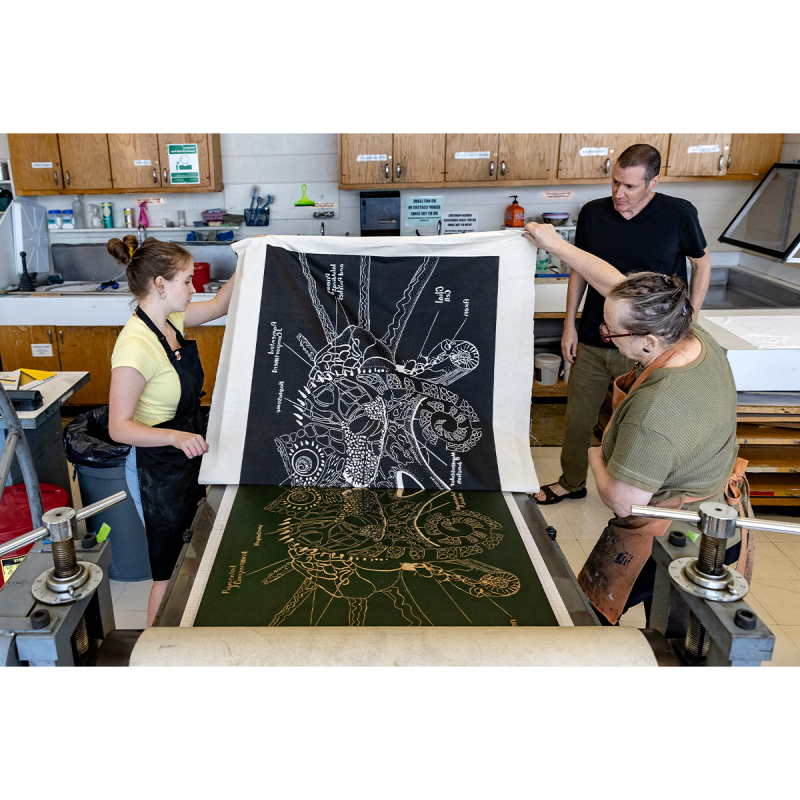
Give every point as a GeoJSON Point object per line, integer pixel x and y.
{"type": "Point", "coordinates": [675, 434]}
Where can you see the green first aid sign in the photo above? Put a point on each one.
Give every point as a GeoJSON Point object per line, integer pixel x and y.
{"type": "Point", "coordinates": [184, 163]}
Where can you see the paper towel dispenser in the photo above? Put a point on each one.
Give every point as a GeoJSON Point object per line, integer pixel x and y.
{"type": "Point", "coordinates": [380, 213]}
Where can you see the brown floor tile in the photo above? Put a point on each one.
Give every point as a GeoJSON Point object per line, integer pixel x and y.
{"type": "Point", "coordinates": [772, 563]}
{"type": "Point", "coordinates": [781, 599]}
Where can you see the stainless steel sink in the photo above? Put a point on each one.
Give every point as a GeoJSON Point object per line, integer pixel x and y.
{"type": "Point", "coordinates": [734, 288]}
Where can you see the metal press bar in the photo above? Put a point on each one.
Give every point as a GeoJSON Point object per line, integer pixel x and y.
{"type": "Point", "coordinates": [87, 511]}
{"type": "Point", "coordinates": [741, 522]}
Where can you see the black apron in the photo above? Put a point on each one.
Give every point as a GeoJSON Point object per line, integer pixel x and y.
{"type": "Point", "coordinates": [167, 477]}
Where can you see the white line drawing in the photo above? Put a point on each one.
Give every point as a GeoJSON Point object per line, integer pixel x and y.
{"type": "Point", "coordinates": [368, 420]}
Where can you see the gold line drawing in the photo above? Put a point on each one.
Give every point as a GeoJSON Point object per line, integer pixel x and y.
{"type": "Point", "coordinates": [356, 544]}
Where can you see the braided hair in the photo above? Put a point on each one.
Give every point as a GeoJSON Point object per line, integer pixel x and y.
{"type": "Point", "coordinates": [655, 304]}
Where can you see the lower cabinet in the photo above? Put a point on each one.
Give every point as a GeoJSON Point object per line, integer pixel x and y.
{"type": "Point", "coordinates": [88, 348]}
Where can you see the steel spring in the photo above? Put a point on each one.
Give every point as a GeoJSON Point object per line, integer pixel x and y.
{"type": "Point", "coordinates": [64, 558]}
{"type": "Point", "coordinates": [697, 638]}
{"type": "Point", "coordinates": [80, 639]}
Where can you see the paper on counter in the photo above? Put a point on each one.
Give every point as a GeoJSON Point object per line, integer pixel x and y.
{"type": "Point", "coordinates": [764, 332]}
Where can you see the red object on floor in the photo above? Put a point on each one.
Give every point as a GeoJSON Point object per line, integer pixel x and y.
{"type": "Point", "coordinates": [202, 275]}
{"type": "Point", "coordinates": [15, 519]}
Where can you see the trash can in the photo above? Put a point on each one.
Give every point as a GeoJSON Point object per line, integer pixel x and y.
{"type": "Point", "coordinates": [100, 464]}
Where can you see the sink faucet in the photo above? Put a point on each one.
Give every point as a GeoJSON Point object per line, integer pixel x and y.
{"type": "Point", "coordinates": [141, 233]}
{"type": "Point", "coordinates": [322, 229]}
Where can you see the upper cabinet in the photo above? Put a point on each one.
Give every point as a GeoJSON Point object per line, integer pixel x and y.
{"type": "Point", "coordinates": [115, 163]}
{"type": "Point", "coordinates": [134, 160]}
{"type": "Point", "coordinates": [84, 161]}
{"type": "Point", "coordinates": [471, 157]}
{"type": "Point", "coordinates": [419, 157]}
{"type": "Point", "coordinates": [365, 158]}
{"type": "Point", "coordinates": [754, 152]}
{"type": "Point", "coordinates": [36, 162]}
{"type": "Point", "coordinates": [594, 155]}
{"type": "Point", "coordinates": [527, 156]}
{"type": "Point", "coordinates": [699, 154]}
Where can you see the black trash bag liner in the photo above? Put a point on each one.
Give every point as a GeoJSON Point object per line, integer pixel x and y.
{"type": "Point", "coordinates": [88, 444]}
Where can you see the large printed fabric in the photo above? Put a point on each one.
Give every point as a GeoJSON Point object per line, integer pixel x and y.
{"type": "Point", "coordinates": [377, 363]}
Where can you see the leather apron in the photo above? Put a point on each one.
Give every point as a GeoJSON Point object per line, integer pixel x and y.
{"type": "Point", "coordinates": [168, 479]}
{"type": "Point", "coordinates": [623, 548]}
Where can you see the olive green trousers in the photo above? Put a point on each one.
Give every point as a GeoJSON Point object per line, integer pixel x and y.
{"type": "Point", "coordinates": [589, 377]}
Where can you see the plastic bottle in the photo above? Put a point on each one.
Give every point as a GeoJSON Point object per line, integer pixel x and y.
{"type": "Point", "coordinates": [96, 219]}
{"type": "Point", "coordinates": [77, 212]}
{"type": "Point", "coordinates": [542, 260]}
{"type": "Point", "coordinates": [515, 214]}
{"type": "Point", "coordinates": [143, 215]}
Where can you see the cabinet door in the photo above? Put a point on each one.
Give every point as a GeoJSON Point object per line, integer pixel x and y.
{"type": "Point", "coordinates": [471, 157]}
{"type": "Point", "coordinates": [754, 152]}
{"type": "Point", "coordinates": [419, 157]}
{"type": "Point", "coordinates": [209, 345]}
{"type": "Point", "coordinates": [88, 349]}
{"type": "Point", "coordinates": [84, 161]}
{"type": "Point", "coordinates": [619, 142]}
{"type": "Point", "coordinates": [585, 155]}
{"type": "Point", "coordinates": [35, 161]}
{"type": "Point", "coordinates": [134, 160]}
{"type": "Point", "coordinates": [697, 154]}
{"type": "Point", "coordinates": [181, 178]}
{"type": "Point", "coordinates": [527, 156]}
{"type": "Point", "coordinates": [366, 157]}
{"type": "Point", "coordinates": [16, 350]}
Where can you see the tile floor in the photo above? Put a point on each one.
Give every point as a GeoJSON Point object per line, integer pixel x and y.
{"type": "Point", "coordinates": [775, 589]}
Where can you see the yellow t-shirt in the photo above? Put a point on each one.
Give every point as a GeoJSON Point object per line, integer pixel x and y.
{"type": "Point", "coordinates": [138, 347]}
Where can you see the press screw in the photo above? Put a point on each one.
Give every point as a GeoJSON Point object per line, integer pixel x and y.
{"type": "Point", "coordinates": [677, 539]}
{"type": "Point", "coordinates": [40, 619]}
{"type": "Point", "coordinates": [551, 531]}
{"type": "Point", "coordinates": [745, 619]}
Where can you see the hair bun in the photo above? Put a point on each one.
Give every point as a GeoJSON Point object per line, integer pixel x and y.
{"type": "Point", "coordinates": [124, 249]}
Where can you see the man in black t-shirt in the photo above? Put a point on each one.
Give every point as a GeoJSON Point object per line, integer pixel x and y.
{"type": "Point", "coordinates": [635, 229]}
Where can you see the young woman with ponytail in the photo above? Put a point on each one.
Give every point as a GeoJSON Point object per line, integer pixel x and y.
{"type": "Point", "coordinates": [154, 403]}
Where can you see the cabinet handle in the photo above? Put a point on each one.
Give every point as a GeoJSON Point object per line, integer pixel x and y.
{"type": "Point", "coordinates": [69, 182]}
{"type": "Point", "coordinates": [55, 177]}
{"type": "Point", "coordinates": [386, 170]}
{"type": "Point", "coordinates": [728, 166]}
{"type": "Point", "coordinates": [721, 159]}
{"type": "Point", "coordinates": [50, 336]}
{"type": "Point", "coordinates": [165, 174]}
{"type": "Point", "coordinates": [155, 176]}
{"type": "Point", "coordinates": [608, 165]}
{"type": "Point", "coordinates": [491, 168]}
{"type": "Point", "coordinates": [398, 170]}
{"type": "Point", "coordinates": [502, 167]}
{"type": "Point", "coordinates": [61, 337]}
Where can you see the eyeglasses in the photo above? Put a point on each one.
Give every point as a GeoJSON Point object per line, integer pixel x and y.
{"type": "Point", "coordinates": [607, 336]}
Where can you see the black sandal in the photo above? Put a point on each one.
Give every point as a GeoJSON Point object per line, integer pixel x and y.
{"type": "Point", "coordinates": [550, 497]}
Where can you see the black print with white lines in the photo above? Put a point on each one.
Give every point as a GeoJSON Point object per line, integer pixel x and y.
{"type": "Point", "coordinates": [374, 372]}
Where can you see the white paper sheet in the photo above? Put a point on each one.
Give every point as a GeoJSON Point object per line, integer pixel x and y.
{"type": "Point", "coordinates": [764, 332]}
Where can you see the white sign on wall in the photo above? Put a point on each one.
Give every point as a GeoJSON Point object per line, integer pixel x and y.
{"type": "Point", "coordinates": [460, 222]}
{"type": "Point", "coordinates": [423, 211]}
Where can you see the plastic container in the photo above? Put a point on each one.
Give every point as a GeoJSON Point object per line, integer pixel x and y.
{"type": "Point", "coordinates": [515, 214]}
{"type": "Point", "coordinates": [96, 220]}
{"type": "Point", "coordinates": [546, 367]}
{"type": "Point", "coordinates": [67, 220]}
{"type": "Point", "coordinates": [53, 220]}
{"type": "Point", "coordinates": [100, 464]}
{"type": "Point", "coordinates": [15, 519]}
{"type": "Point", "coordinates": [202, 275]}
{"type": "Point", "coordinates": [555, 218]}
{"type": "Point", "coordinates": [77, 212]}
{"type": "Point", "coordinates": [542, 260]}
{"type": "Point", "coordinates": [108, 217]}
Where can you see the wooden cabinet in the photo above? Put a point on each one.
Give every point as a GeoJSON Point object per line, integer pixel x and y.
{"type": "Point", "coordinates": [36, 162]}
{"type": "Point", "coordinates": [471, 157]}
{"type": "Point", "coordinates": [527, 156]}
{"type": "Point", "coordinates": [365, 158]}
{"type": "Point", "coordinates": [698, 154]}
{"type": "Point", "coordinates": [84, 161]}
{"type": "Point", "coordinates": [100, 163]}
{"type": "Point", "coordinates": [594, 155]}
{"type": "Point", "coordinates": [209, 346]}
{"type": "Point", "coordinates": [754, 153]}
{"type": "Point", "coordinates": [88, 348]}
{"type": "Point", "coordinates": [208, 156]}
{"type": "Point", "coordinates": [15, 347]}
{"type": "Point", "coordinates": [134, 160]}
{"type": "Point", "coordinates": [419, 157]}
